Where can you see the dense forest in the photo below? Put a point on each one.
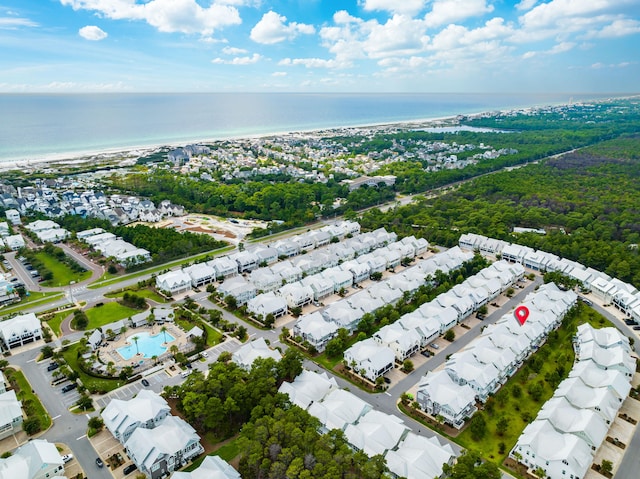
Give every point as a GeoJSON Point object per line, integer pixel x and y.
{"type": "Point", "coordinates": [588, 201]}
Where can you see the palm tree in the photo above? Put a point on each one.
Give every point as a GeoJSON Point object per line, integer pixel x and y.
{"type": "Point", "coordinates": [174, 350]}
{"type": "Point", "coordinates": [135, 340]}
{"type": "Point", "coordinates": [163, 330]}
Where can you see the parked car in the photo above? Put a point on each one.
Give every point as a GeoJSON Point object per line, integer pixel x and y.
{"type": "Point", "coordinates": [636, 328]}
{"type": "Point", "coordinates": [145, 382]}
{"type": "Point", "coordinates": [129, 469]}
{"type": "Point", "coordinates": [434, 346]}
{"type": "Point", "coordinates": [99, 462]}
{"type": "Point", "coordinates": [53, 366]}
{"type": "Point", "coordinates": [68, 387]}
{"type": "Point", "coordinates": [67, 457]}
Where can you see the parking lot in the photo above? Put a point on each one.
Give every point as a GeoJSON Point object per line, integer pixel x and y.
{"type": "Point", "coordinates": [69, 398]}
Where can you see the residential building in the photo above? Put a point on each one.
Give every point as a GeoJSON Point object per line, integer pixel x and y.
{"type": "Point", "coordinates": [338, 409]}
{"type": "Point", "coordinates": [213, 467]}
{"type": "Point", "coordinates": [36, 459]}
{"type": "Point", "coordinates": [439, 395]}
{"type": "Point", "coordinates": [258, 348]}
{"type": "Point", "coordinates": [10, 414]}
{"type": "Point", "coordinates": [315, 329]}
{"type": "Point", "coordinates": [146, 410]}
{"type": "Point", "coordinates": [419, 457]}
{"type": "Point", "coordinates": [369, 359]}
{"type": "Point", "coordinates": [308, 387]}
{"type": "Point", "coordinates": [20, 330]}
{"type": "Point", "coordinates": [267, 303]}
{"type": "Point", "coordinates": [376, 433]}
{"type": "Point", "coordinates": [174, 282]}
{"type": "Point", "coordinates": [239, 288]}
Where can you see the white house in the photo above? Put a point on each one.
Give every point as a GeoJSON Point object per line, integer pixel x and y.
{"type": "Point", "coordinates": [439, 395]}
{"type": "Point", "coordinates": [338, 409]}
{"type": "Point", "coordinates": [211, 468]}
{"type": "Point", "coordinates": [225, 267]}
{"type": "Point", "coordinates": [308, 387]}
{"type": "Point", "coordinates": [296, 294]}
{"type": "Point", "coordinates": [588, 425]}
{"type": "Point", "coordinates": [146, 410]}
{"type": "Point", "coordinates": [258, 348]}
{"type": "Point", "coordinates": [246, 260]}
{"type": "Point", "coordinates": [344, 315]}
{"type": "Point", "coordinates": [13, 216]}
{"type": "Point", "coordinates": [266, 304]}
{"type": "Point", "coordinates": [36, 459]}
{"type": "Point", "coordinates": [369, 359]}
{"type": "Point", "coordinates": [403, 343]}
{"type": "Point", "coordinates": [14, 242]}
{"type": "Point", "coordinates": [419, 457]}
{"type": "Point", "coordinates": [175, 282]}
{"type": "Point", "coordinates": [265, 280]}
{"type": "Point", "coordinates": [376, 433]}
{"type": "Point", "coordinates": [239, 288]}
{"type": "Point", "coordinates": [20, 330]}
{"type": "Point", "coordinates": [10, 414]}
{"type": "Point", "coordinates": [315, 329]}
{"type": "Point", "coordinates": [159, 451]}
{"type": "Point", "coordinates": [464, 368]}
{"type": "Point", "coordinates": [201, 274]}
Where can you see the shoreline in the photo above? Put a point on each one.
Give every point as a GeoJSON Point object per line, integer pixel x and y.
{"type": "Point", "coordinates": [129, 153]}
{"type": "Point", "coordinates": [136, 151]}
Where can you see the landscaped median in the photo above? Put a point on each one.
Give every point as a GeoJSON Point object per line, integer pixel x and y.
{"type": "Point", "coordinates": [37, 417]}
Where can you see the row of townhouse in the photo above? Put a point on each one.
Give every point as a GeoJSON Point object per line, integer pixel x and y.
{"type": "Point", "coordinates": [19, 330]}
{"type": "Point", "coordinates": [623, 296]}
{"type": "Point", "coordinates": [479, 370]}
{"type": "Point", "coordinates": [157, 442]}
{"type": "Point", "coordinates": [319, 328]}
{"type": "Point", "coordinates": [11, 416]}
{"type": "Point", "coordinates": [571, 426]}
{"type": "Point", "coordinates": [118, 209]}
{"type": "Point", "coordinates": [414, 331]}
{"type": "Point", "coordinates": [36, 459]}
{"type": "Point", "coordinates": [407, 454]}
{"type": "Point", "coordinates": [110, 246]}
{"type": "Point", "coordinates": [48, 231]}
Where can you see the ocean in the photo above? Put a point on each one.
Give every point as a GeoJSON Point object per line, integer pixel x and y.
{"type": "Point", "coordinates": [37, 127]}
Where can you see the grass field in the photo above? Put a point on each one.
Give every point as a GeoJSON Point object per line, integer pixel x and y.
{"type": "Point", "coordinates": [108, 313]}
{"type": "Point", "coordinates": [227, 452]}
{"type": "Point", "coordinates": [145, 293]}
{"type": "Point", "coordinates": [62, 274]}
{"type": "Point", "coordinates": [55, 322]}
{"type": "Point", "coordinates": [92, 383]}
{"type": "Point", "coordinates": [514, 406]}
{"type": "Point", "coordinates": [26, 395]}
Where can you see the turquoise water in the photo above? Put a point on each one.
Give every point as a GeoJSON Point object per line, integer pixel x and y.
{"type": "Point", "coordinates": [148, 345]}
{"type": "Point", "coordinates": [44, 126]}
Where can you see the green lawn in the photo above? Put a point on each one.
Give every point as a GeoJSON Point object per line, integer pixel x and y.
{"type": "Point", "coordinates": [26, 395]}
{"type": "Point", "coordinates": [227, 452]}
{"type": "Point", "coordinates": [514, 404]}
{"type": "Point", "coordinates": [145, 293]}
{"type": "Point", "coordinates": [108, 313]}
{"type": "Point", "coordinates": [55, 322]}
{"type": "Point", "coordinates": [62, 274]}
{"type": "Point", "coordinates": [93, 384]}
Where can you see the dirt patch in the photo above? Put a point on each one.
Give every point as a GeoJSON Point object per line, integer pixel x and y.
{"type": "Point", "coordinates": [200, 229]}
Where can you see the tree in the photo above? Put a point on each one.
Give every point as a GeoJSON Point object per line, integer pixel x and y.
{"type": "Point", "coordinates": [31, 425]}
{"type": "Point", "coordinates": [502, 425]}
{"type": "Point", "coordinates": [407, 366]}
{"type": "Point", "coordinates": [84, 402]}
{"type": "Point", "coordinates": [376, 276]}
{"type": "Point", "coordinates": [478, 427]}
{"type": "Point", "coordinates": [96, 423]}
{"type": "Point", "coordinates": [606, 467]}
{"type": "Point", "coordinates": [164, 330]}
{"type": "Point", "coordinates": [231, 302]}
{"type": "Point", "coordinates": [135, 339]}
{"type": "Point", "coordinates": [470, 466]}
{"type": "Point", "coordinates": [47, 352]}
{"type": "Point", "coordinates": [450, 335]}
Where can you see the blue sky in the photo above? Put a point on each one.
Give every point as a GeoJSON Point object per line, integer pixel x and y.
{"type": "Point", "coordinates": [320, 45]}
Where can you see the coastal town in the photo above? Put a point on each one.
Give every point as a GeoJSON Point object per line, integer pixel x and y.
{"type": "Point", "coordinates": [408, 352]}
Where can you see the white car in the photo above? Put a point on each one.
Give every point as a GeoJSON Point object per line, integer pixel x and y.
{"type": "Point", "coordinates": [67, 457]}
{"type": "Point", "coordinates": [204, 354]}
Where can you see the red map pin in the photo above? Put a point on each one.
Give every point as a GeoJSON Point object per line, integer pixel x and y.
{"type": "Point", "coordinates": [521, 313]}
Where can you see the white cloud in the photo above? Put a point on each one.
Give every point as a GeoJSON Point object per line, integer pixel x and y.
{"type": "Point", "coordinates": [597, 66]}
{"type": "Point", "coordinates": [279, 74]}
{"type": "Point", "coordinates": [91, 32]}
{"type": "Point", "coordinates": [561, 48]}
{"type": "Point", "coordinates": [401, 35]}
{"type": "Point", "coordinates": [169, 16]}
{"type": "Point", "coordinates": [11, 23]}
{"type": "Point", "coordinates": [408, 7]}
{"type": "Point", "coordinates": [255, 58]}
{"type": "Point", "coordinates": [272, 28]}
{"type": "Point", "coordinates": [450, 11]}
{"type": "Point", "coordinates": [617, 28]}
{"type": "Point", "coordinates": [526, 4]}
{"type": "Point", "coordinates": [310, 62]}
{"type": "Point", "coordinates": [233, 51]}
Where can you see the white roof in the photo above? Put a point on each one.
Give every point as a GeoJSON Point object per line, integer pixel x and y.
{"type": "Point", "coordinates": [338, 409]}
{"type": "Point", "coordinates": [213, 467]}
{"type": "Point", "coordinates": [442, 390]}
{"type": "Point", "coordinates": [419, 457]}
{"type": "Point", "coordinates": [564, 417]}
{"type": "Point", "coordinates": [308, 387]}
{"type": "Point", "coordinates": [583, 396]}
{"type": "Point", "coordinates": [376, 432]}
{"type": "Point", "coordinates": [18, 325]}
{"type": "Point", "coordinates": [258, 348]}
{"type": "Point", "coordinates": [10, 407]}
{"type": "Point", "coordinates": [30, 459]}
{"type": "Point", "coordinates": [596, 377]}
{"type": "Point", "coordinates": [315, 326]}
{"type": "Point", "coordinates": [119, 415]}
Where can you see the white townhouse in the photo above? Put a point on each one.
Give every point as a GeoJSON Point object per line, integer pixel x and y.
{"type": "Point", "coordinates": [419, 245]}
{"type": "Point", "coordinates": [342, 314]}
{"type": "Point", "coordinates": [604, 289]}
{"type": "Point", "coordinates": [15, 242]}
{"type": "Point", "coordinates": [364, 301]}
{"type": "Point", "coordinates": [10, 414]}
{"type": "Point", "coordinates": [20, 330]}
{"type": "Point", "coordinates": [296, 294]}
{"type": "Point", "coordinates": [322, 287]}
{"type": "Point", "coordinates": [268, 303]}
{"type": "Point", "coordinates": [266, 254]}
{"type": "Point", "coordinates": [159, 451]}
{"type": "Point", "coordinates": [13, 217]}
{"type": "Point", "coordinates": [286, 248]}
{"type": "Point", "coordinates": [385, 293]}
{"type": "Point", "coordinates": [427, 330]}
{"type": "Point", "coordinates": [486, 352]}
{"type": "Point", "coordinates": [309, 264]}
{"type": "Point", "coordinates": [419, 457]}
{"type": "Point", "coordinates": [315, 329]}
{"type": "Point", "coordinates": [287, 272]}
{"type": "Point", "coordinates": [392, 257]}
{"type": "Point", "coordinates": [174, 282]}
{"type": "Point", "coordinates": [369, 359]}
{"type": "Point", "coordinates": [248, 353]}
{"type": "Point", "coordinates": [36, 459]}
{"type": "Point", "coordinates": [342, 251]}
{"type": "Point", "coordinates": [320, 238]}
{"type": "Point", "coordinates": [443, 318]}
{"type": "Point", "coordinates": [338, 409]}
{"type": "Point", "coordinates": [560, 455]}
{"type": "Point", "coordinates": [53, 235]}
{"type": "Point", "coordinates": [340, 279]}
{"type": "Point", "coordinates": [464, 368]}
{"type": "Point", "coordinates": [308, 387]}
{"type": "Point", "coordinates": [211, 468]}
{"type": "Point", "coordinates": [579, 394]}
{"type": "Point", "coordinates": [201, 274]}
{"type": "Point", "coordinates": [439, 395]}
{"type": "Point", "coordinates": [376, 264]}
{"type": "Point", "coordinates": [239, 288]}
{"type": "Point", "coordinates": [147, 409]}
{"type": "Point", "coordinates": [359, 271]}
{"type": "Point", "coordinates": [594, 376]}
{"type": "Point", "coordinates": [472, 241]}
{"type": "Point", "coordinates": [403, 343]}
{"type": "Point", "coordinates": [224, 267]}
{"type": "Point", "coordinates": [265, 280]}
{"type": "Point", "coordinates": [376, 433]}
{"type": "Point", "coordinates": [246, 260]}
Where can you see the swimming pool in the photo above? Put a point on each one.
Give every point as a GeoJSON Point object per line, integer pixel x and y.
{"type": "Point", "coordinates": [148, 345]}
